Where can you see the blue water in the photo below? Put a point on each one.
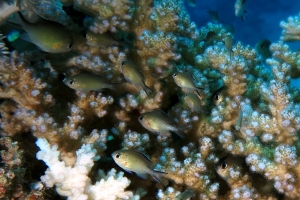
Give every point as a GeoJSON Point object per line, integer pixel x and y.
{"type": "Point", "coordinates": [261, 20]}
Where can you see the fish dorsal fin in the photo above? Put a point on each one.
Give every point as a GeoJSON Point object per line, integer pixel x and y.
{"type": "Point", "coordinates": [146, 157]}
{"type": "Point", "coordinates": [161, 112]}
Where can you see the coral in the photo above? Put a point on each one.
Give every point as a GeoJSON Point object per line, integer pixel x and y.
{"type": "Point", "coordinates": [73, 182]}
{"type": "Point", "coordinates": [249, 112]}
{"type": "Point", "coordinates": [291, 29]}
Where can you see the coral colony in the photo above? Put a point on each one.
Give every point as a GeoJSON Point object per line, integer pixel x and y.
{"type": "Point", "coordinates": [56, 142]}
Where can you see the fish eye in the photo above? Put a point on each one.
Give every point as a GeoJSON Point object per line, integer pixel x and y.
{"type": "Point", "coordinates": [174, 75]}
{"type": "Point", "coordinates": [118, 155]}
{"type": "Point", "coordinates": [70, 45]}
{"type": "Point", "coordinates": [224, 165]}
{"type": "Point", "coordinates": [217, 96]}
{"type": "Point", "coordinates": [71, 82]}
{"type": "Point", "coordinates": [141, 118]}
{"type": "Point", "coordinates": [122, 62]}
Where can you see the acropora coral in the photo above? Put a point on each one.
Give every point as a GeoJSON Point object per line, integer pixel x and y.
{"type": "Point", "coordinates": [56, 142]}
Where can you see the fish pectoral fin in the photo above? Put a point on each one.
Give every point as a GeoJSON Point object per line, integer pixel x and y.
{"type": "Point", "coordinates": [165, 133]}
{"type": "Point", "coordinates": [142, 175]}
{"type": "Point", "coordinates": [25, 36]}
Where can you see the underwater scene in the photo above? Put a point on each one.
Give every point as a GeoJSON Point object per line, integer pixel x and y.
{"type": "Point", "coordinates": [149, 99]}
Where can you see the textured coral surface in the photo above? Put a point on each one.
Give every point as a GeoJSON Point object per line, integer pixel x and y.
{"type": "Point", "coordinates": [241, 138]}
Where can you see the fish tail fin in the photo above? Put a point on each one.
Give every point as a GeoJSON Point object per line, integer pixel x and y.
{"type": "Point", "coordinates": [112, 86]}
{"type": "Point", "coordinates": [199, 91]}
{"type": "Point", "coordinates": [157, 175]}
{"type": "Point", "coordinates": [147, 89]}
{"type": "Point", "coordinates": [179, 132]}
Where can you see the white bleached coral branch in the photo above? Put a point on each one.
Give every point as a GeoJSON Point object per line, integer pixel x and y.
{"type": "Point", "coordinates": [73, 181]}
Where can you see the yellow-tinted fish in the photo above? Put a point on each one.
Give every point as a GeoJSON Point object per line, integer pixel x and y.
{"type": "Point", "coordinates": [209, 37]}
{"type": "Point", "coordinates": [135, 161]}
{"type": "Point", "coordinates": [228, 43]}
{"type": "Point", "coordinates": [104, 39]}
{"type": "Point", "coordinates": [227, 165]}
{"type": "Point", "coordinates": [224, 164]}
{"type": "Point", "coordinates": [186, 195]}
{"type": "Point", "coordinates": [186, 82]}
{"type": "Point", "coordinates": [239, 8]}
{"type": "Point", "coordinates": [218, 96]}
{"type": "Point", "coordinates": [262, 47]}
{"type": "Point", "coordinates": [191, 2]}
{"type": "Point", "coordinates": [49, 36]}
{"type": "Point", "coordinates": [213, 14]}
{"type": "Point", "coordinates": [87, 82]}
{"type": "Point", "coordinates": [133, 75]}
{"type": "Point", "coordinates": [159, 122]}
{"type": "Point", "coordinates": [193, 102]}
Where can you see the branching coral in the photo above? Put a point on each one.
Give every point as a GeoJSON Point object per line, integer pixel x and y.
{"type": "Point", "coordinates": [249, 109]}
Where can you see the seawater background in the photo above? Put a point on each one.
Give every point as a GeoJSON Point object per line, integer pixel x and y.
{"type": "Point", "coordinates": [261, 20]}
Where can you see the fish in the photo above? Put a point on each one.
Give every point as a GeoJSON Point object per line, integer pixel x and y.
{"type": "Point", "coordinates": [239, 8]}
{"type": "Point", "coordinates": [186, 194]}
{"type": "Point", "coordinates": [213, 14]}
{"type": "Point", "coordinates": [228, 43]}
{"type": "Point", "coordinates": [193, 102]}
{"type": "Point", "coordinates": [228, 164]}
{"type": "Point", "coordinates": [218, 96]}
{"type": "Point", "coordinates": [6, 10]}
{"type": "Point", "coordinates": [97, 40]}
{"type": "Point", "coordinates": [185, 81]}
{"type": "Point", "coordinates": [224, 164]}
{"type": "Point", "coordinates": [209, 37]}
{"type": "Point", "coordinates": [135, 161]}
{"type": "Point", "coordinates": [191, 3]}
{"type": "Point", "coordinates": [48, 36]}
{"type": "Point", "coordinates": [133, 75]}
{"type": "Point", "coordinates": [87, 82]}
{"type": "Point", "coordinates": [157, 121]}
{"type": "Point", "coordinates": [239, 121]}
{"type": "Point", "coordinates": [262, 47]}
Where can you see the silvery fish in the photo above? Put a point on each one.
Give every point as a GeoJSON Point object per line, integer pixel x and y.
{"type": "Point", "coordinates": [87, 82]}
{"type": "Point", "coordinates": [228, 43]}
{"type": "Point", "coordinates": [135, 161]}
{"type": "Point", "coordinates": [239, 8]}
{"type": "Point", "coordinates": [49, 36]}
{"type": "Point", "coordinates": [186, 195]}
{"type": "Point", "coordinates": [239, 121]}
{"type": "Point", "coordinates": [159, 122]}
{"type": "Point", "coordinates": [193, 102]}
{"type": "Point", "coordinates": [186, 82]}
{"type": "Point", "coordinates": [133, 75]}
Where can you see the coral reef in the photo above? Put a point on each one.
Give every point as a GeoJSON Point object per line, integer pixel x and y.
{"type": "Point", "coordinates": [249, 109]}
